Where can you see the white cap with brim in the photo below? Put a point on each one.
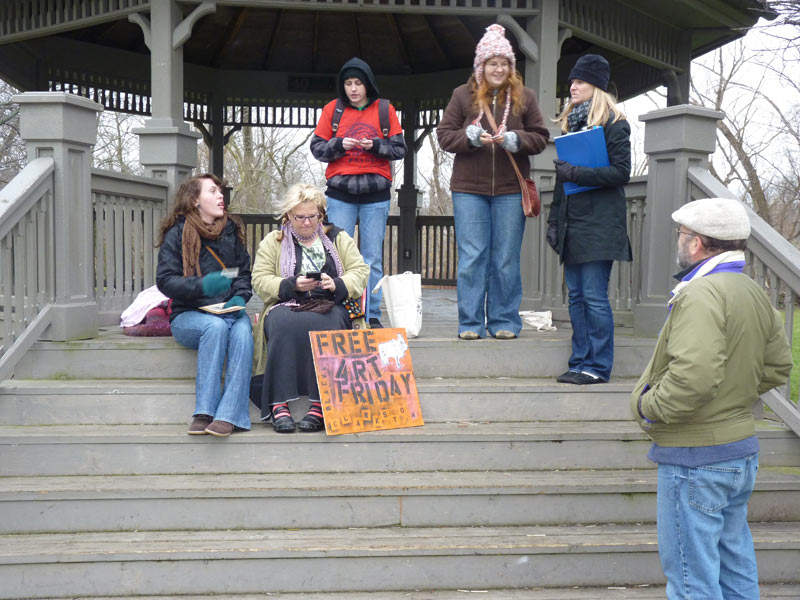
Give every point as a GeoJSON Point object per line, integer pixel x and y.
{"type": "Point", "coordinates": [718, 218]}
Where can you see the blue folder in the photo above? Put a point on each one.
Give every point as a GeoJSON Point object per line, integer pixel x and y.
{"type": "Point", "coordinates": [585, 148]}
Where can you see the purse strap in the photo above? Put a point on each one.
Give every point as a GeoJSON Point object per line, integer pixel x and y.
{"type": "Point", "coordinates": [493, 124]}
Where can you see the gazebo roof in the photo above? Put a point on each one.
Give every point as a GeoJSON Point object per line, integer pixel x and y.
{"type": "Point", "coordinates": [286, 53]}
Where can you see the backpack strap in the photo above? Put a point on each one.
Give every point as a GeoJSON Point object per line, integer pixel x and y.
{"type": "Point", "coordinates": [383, 116]}
{"type": "Point", "coordinates": [337, 115]}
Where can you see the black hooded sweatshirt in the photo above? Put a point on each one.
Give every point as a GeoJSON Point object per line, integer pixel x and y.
{"type": "Point", "coordinates": [358, 187]}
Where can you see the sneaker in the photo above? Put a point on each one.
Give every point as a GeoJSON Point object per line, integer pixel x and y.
{"type": "Point", "coordinates": [284, 424]}
{"type": "Point", "coordinates": [505, 334]}
{"type": "Point", "coordinates": [220, 428]}
{"type": "Point", "coordinates": [578, 378]}
{"type": "Point", "coordinates": [375, 323]}
{"type": "Point", "coordinates": [311, 423]}
{"type": "Point", "coordinates": [199, 424]}
{"type": "Point", "coordinates": [568, 377]}
{"type": "Point", "coordinates": [468, 335]}
{"type": "Point", "coordinates": [584, 378]}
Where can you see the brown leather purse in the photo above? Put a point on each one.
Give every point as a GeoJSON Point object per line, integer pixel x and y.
{"type": "Point", "coordinates": [531, 205]}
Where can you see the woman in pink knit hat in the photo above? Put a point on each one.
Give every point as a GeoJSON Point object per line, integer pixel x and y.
{"type": "Point", "coordinates": [486, 193]}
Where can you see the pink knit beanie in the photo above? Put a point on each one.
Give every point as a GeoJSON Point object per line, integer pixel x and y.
{"type": "Point", "coordinates": [493, 43]}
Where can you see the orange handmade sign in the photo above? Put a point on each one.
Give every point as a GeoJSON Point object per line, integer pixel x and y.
{"type": "Point", "coordinates": [366, 380]}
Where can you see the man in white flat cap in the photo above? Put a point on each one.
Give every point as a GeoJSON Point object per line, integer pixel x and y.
{"type": "Point", "coordinates": [721, 347]}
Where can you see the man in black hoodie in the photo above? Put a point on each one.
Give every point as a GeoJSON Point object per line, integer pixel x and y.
{"type": "Point", "coordinates": [357, 146]}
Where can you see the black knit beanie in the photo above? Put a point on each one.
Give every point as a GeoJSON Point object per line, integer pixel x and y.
{"type": "Point", "coordinates": [354, 72]}
{"type": "Point", "coordinates": [591, 68]}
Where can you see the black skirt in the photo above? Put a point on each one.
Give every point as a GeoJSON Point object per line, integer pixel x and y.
{"type": "Point", "coordinates": [290, 370]}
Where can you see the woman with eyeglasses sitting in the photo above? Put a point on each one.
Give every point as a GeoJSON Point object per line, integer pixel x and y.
{"type": "Point", "coordinates": [303, 272]}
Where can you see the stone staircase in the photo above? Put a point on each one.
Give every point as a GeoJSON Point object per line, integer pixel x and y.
{"type": "Point", "coordinates": [516, 487]}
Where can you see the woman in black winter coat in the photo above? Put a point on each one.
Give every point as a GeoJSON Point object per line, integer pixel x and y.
{"type": "Point", "coordinates": [589, 229]}
{"type": "Point", "coordinates": [198, 240]}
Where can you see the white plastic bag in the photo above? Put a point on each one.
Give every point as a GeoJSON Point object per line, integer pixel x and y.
{"type": "Point", "coordinates": [403, 295]}
{"type": "Point", "coordinates": [542, 321]}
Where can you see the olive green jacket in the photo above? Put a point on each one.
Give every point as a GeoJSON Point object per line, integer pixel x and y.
{"type": "Point", "coordinates": [266, 280]}
{"type": "Point", "coordinates": [721, 347]}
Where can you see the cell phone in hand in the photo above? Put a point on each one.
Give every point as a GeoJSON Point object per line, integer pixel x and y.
{"type": "Point", "coordinates": [314, 275]}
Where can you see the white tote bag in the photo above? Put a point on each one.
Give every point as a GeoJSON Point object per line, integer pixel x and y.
{"type": "Point", "coordinates": [403, 295]}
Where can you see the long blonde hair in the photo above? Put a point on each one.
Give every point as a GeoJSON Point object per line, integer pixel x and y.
{"type": "Point", "coordinates": [302, 193]}
{"type": "Point", "coordinates": [483, 93]}
{"type": "Point", "coordinates": [602, 106]}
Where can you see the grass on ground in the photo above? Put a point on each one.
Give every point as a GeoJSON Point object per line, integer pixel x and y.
{"type": "Point", "coordinates": [795, 382]}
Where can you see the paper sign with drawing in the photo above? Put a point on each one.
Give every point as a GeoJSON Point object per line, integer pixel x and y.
{"type": "Point", "coordinates": [366, 380]}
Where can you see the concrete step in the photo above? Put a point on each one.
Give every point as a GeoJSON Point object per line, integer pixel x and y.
{"type": "Point", "coordinates": [342, 500]}
{"type": "Point", "coordinates": [457, 446]}
{"type": "Point", "coordinates": [113, 355]}
{"type": "Point", "coordinates": [338, 560]}
{"type": "Point", "coordinates": [633, 592]}
{"type": "Point", "coordinates": [119, 402]}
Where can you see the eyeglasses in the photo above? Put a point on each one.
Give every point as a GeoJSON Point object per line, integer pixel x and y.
{"type": "Point", "coordinates": [689, 233]}
{"type": "Point", "coordinates": [304, 218]}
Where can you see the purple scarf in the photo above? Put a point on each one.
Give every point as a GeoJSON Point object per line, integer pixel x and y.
{"type": "Point", "coordinates": [289, 257]}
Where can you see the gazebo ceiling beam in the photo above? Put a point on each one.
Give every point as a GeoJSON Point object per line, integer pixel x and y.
{"type": "Point", "coordinates": [272, 36]}
{"type": "Point", "coordinates": [403, 47]}
{"type": "Point", "coordinates": [315, 48]}
{"type": "Point", "coordinates": [438, 26]}
{"type": "Point", "coordinates": [49, 20]}
{"type": "Point", "coordinates": [643, 38]}
{"type": "Point", "coordinates": [513, 7]}
{"type": "Point", "coordinates": [184, 29]}
{"type": "Point", "coordinates": [229, 38]}
{"type": "Point", "coordinates": [356, 33]}
{"type": "Point", "coordinates": [527, 44]}
{"type": "Point", "coordinates": [719, 11]}
{"type": "Point", "coordinates": [621, 49]}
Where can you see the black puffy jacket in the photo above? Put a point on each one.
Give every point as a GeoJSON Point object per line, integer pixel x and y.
{"type": "Point", "coordinates": [187, 292]}
{"type": "Point", "coordinates": [592, 225]}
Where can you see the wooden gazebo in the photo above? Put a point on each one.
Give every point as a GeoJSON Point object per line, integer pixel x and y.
{"type": "Point", "coordinates": [222, 64]}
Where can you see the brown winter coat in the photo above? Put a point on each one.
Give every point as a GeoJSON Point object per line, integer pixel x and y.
{"type": "Point", "coordinates": [487, 171]}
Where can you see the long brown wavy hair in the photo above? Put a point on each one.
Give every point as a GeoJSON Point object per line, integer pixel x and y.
{"type": "Point", "coordinates": [483, 93]}
{"type": "Point", "coordinates": [184, 204]}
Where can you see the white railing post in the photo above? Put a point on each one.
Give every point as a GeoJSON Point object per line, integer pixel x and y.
{"type": "Point", "coordinates": [64, 126]}
{"type": "Point", "coordinates": [675, 139]}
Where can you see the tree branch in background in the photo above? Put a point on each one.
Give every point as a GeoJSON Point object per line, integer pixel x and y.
{"type": "Point", "coordinates": [437, 181]}
{"type": "Point", "coordinates": [12, 148]}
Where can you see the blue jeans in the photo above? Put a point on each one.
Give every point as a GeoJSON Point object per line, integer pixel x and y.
{"type": "Point", "coordinates": [213, 337]}
{"type": "Point", "coordinates": [489, 233]}
{"type": "Point", "coordinates": [591, 317]}
{"type": "Point", "coordinates": [704, 541]}
{"type": "Point", "coordinates": [371, 231]}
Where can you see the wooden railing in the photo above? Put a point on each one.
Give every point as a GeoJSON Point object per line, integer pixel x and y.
{"type": "Point", "coordinates": [775, 264]}
{"type": "Point", "coordinates": [623, 290]}
{"type": "Point", "coordinates": [127, 213]}
{"type": "Point", "coordinates": [27, 276]}
{"type": "Point", "coordinates": [436, 245]}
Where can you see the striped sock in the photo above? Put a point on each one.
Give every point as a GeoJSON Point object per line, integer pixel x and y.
{"type": "Point", "coordinates": [315, 410]}
{"type": "Point", "coordinates": [280, 410]}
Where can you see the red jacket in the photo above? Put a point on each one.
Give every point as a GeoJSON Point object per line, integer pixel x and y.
{"type": "Point", "coordinates": [358, 124]}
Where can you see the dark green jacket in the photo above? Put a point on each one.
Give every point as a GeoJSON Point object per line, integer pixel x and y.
{"type": "Point", "coordinates": [721, 347]}
{"type": "Point", "coordinates": [592, 225]}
